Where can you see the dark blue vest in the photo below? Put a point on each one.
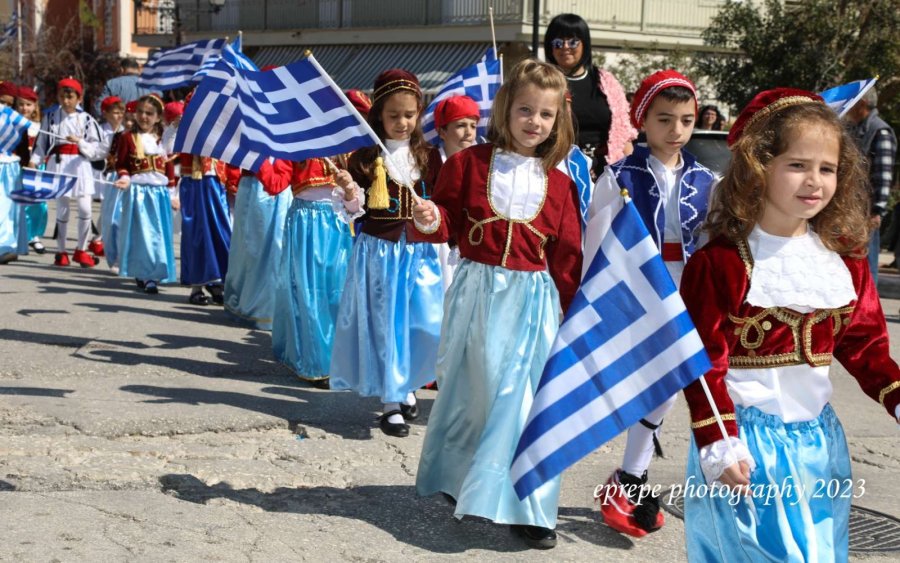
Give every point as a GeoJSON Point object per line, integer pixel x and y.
{"type": "Point", "coordinates": [633, 173]}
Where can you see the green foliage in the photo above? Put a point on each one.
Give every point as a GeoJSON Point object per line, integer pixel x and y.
{"type": "Point", "coordinates": [632, 68]}
{"type": "Point", "coordinates": [814, 45]}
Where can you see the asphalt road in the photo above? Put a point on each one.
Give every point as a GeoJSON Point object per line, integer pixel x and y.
{"type": "Point", "coordinates": [137, 428]}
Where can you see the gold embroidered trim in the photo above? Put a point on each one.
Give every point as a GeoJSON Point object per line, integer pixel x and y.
{"type": "Point", "coordinates": [478, 228]}
{"type": "Point", "coordinates": [711, 420]}
{"type": "Point", "coordinates": [777, 105]}
{"type": "Point", "coordinates": [746, 257]}
{"type": "Point", "coordinates": [509, 220]}
{"type": "Point", "coordinates": [839, 321]}
{"type": "Point", "coordinates": [778, 360]}
{"type": "Point", "coordinates": [884, 392]}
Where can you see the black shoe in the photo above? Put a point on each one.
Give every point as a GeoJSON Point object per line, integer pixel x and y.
{"type": "Point", "coordinates": [8, 257]}
{"type": "Point", "coordinates": [37, 246]}
{"type": "Point", "coordinates": [197, 298]}
{"type": "Point", "coordinates": [535, 537]}
{"type": "Point", "coordinates": [150, 287]}
{"type": "Point", "coordinates": [217, 292]}
{"type": "Point", "coordinates": [400, 430]}
{"type": "Point", "coordinates": [140, 283]}
{"type": "Point", "coordinates": [323, 383]}
{"type": "Point", "coordinates": [409, 412]}
{"type": "Point", "coordinates": [450, 500]}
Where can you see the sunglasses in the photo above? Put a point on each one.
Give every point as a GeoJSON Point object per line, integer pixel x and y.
{"type": "Point", "coordinates": [570, 43]}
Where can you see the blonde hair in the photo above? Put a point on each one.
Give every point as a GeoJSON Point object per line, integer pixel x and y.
{"type": "Point", "coordinates": [739, 199]}
{"type": "Point", "coordinates": [545, 77]}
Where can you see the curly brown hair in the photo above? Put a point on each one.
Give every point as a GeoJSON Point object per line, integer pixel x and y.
{"type": "Point", "coordinates": [546, 77]}
{"type": "Point", "coordinates": [418, 146]}
{"type": "Point", "coordinates": [153, 101]}
{"type": "Point", "coordinates": [739, 199]}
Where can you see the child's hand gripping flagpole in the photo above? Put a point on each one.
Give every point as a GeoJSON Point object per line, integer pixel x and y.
{"type": "Point", "coordinates": [712, 404]}
{"type": "Point", "coordinates": [365, 124]}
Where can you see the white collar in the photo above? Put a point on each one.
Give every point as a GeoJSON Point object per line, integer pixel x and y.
{"type": "Point", "coordinates": [797, 272]}
{"type": "Point", "coordinates": [658, 166]}
{"type": "Point", "coordinates": [401, 166]}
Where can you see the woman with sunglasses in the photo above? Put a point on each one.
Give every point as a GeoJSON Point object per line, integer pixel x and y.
{"type": "Point", "coordinates": [598, 101]}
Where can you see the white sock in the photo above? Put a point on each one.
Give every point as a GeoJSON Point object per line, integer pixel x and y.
{"type": "Point", "coordinates": [394, 418]}
{"type": "Point", "coordinates": [410, 399]}
{"type": "Point", "coordinates": [639, 444]}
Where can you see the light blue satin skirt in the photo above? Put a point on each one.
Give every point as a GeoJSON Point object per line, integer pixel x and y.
{"type": "Point", "coordinates": [389, 321]}
{"type": "Point", "coordinates": [145, 248]}
{"type": "Point", "coordinates": [205, 230]}
{"type": "Point", "coordinates": [110, 217]}
{"type": "Point", "coordinates": [32, 222]}
{"type": "Point", "coordinates": [311, 277]}
{"type": "Point", "coordinates": [498, 328]}
{"type": "Point", "coordinates": [256, 244]}
{"type": "Point", "coordinates": [789, 526]}
{"type": "Point", "coordinates": [9, 210]}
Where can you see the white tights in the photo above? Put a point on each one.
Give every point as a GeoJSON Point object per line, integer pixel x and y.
{"type": "Point", "coordinates": [83, 204]}
{"type": "Point", "coordinates": [639, 444]}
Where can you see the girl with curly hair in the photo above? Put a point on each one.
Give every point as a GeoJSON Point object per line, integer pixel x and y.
{"type": "Point", "coordinates": [781, 289]}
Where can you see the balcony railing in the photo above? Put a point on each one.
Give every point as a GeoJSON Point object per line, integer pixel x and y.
{"type": "Point", "coordinates": [678, 16]}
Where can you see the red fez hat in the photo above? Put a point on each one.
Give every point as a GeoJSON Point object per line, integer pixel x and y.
{"type": "Point", "coordinates": [395, 80]}
{"type": "Point", "coordinates": [173, 110]}
{"type": "Point", "coordinates": [110, 101]}
{"type": "Point", "coordinates": [455, 108]}
{"type": "Point", "coordinates": [8, 89]}
{"type": "Point", "coordinates": [360, 101]}
{"type": "Point", "coordinates": [131, 106]}
{"type": "Point", "coordinates": [767, 102]}
{"type": "Point", "coordinates": [70, 83]}
{"type": "Point", "coordinates": [653, 85]}
{"type": "Point", "coordinates": [27, 93]}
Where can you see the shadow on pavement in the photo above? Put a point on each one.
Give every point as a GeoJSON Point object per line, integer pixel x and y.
{"type": "Point", "coordinates": [35, 391]}
{"type": "Point", "coordinates": [341, 414]}
{"type": "Point", "coordinates": [6, 486]}
{"type": "Point", "coordinates": [427, 523]}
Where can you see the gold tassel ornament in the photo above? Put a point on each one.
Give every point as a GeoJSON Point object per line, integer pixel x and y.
{"type": "Point", "coordinates": [196, 168]}
{"type": "Point", "coordinates": [378, 197]}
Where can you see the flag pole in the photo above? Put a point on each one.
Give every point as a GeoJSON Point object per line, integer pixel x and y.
{"type": "Point", "coordinates": [365, 123]}
{"type": "Point", "coordinates": [493, 34]}
{"type": "Point", "coordinates": [19, 35]}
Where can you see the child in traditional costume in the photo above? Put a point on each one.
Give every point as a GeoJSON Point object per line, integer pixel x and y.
{"type": "Point", "coordinates": [145, 246]}
{"type": "Point", "coordinates": [261, 207]}
{"type": "Point", "coordinates": [72, 142]}
{"type": "Point", "coordinates": [782, 288]}
{"type": "Point", "coordinates": [388, 323]}
{"type": "Point", "coordinates": [32, 217]}
{"type": "Point", "coordinates": [515, 216]}
{"type": "Point", "coordinates": [670, 190]}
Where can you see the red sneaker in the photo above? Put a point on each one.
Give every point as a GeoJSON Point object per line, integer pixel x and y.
{"type": "Point", "coordinates": [628, 506]}
{"type": "Point", "coordinates": [96, 247]}
{"type": "Point", "coordinates": [61, 259]}
{"type": "Point", "coordinates": [85, 259]}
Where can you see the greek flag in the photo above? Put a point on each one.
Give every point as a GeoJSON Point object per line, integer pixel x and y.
{"type": "Point", "coordinates": [12, 124]}
{"type": "Point", "coordinates": [294, 112]}
{"type": "Point", "coordinates": [173, 68]}
{"type": "Point", "coordinates": [578, 165]}
{"type": "Point", "coordinates": [479, 81]}
{"type": "Point", "coordinates": [40, 185]}
{"type": "Point", "coordinates": [232, 53]}
{"type": "Point", "coordinates": [10, 30]}
{"type": "Point", "coordinates": [842, 98]}
{"type": "Point", "coordinates": [625, 346]}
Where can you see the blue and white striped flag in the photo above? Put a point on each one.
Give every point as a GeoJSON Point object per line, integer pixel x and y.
{"type": "Point", "coordinates": [578, 166]}
{"type": "Point", "coordinates": [626, 345]}
{"type": "Point", "coordinates": [40, 185]}
{"type": "Point", "coordinates": [173, 68]}
{"type": "Point", "coordinates": [12, 125]}
{"type": "Point", "coordinates": [295, 112]}
{"type": "Point", "coordinates": [10, 30]}
{"type": "Point", "coordinates": [479, 81]}
{"type": "Point", "coordinates": [232, 53]}
{"type": "Point", "coordinates": [842, 98]}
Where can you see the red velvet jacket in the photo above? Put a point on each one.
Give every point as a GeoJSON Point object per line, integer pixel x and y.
{"type": "Point", "coordinates": [274, 175]}
{"type": "Point", "coordinates": [738, 335]}
{"type": "Point", "coordinates": [551, 241]}
{"type": "Point", "coordinates": [127, 162]}
{"type": "Point", "coordinates": [313, 173]}
{"type": "Point", "coordinates": [388, 224]}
